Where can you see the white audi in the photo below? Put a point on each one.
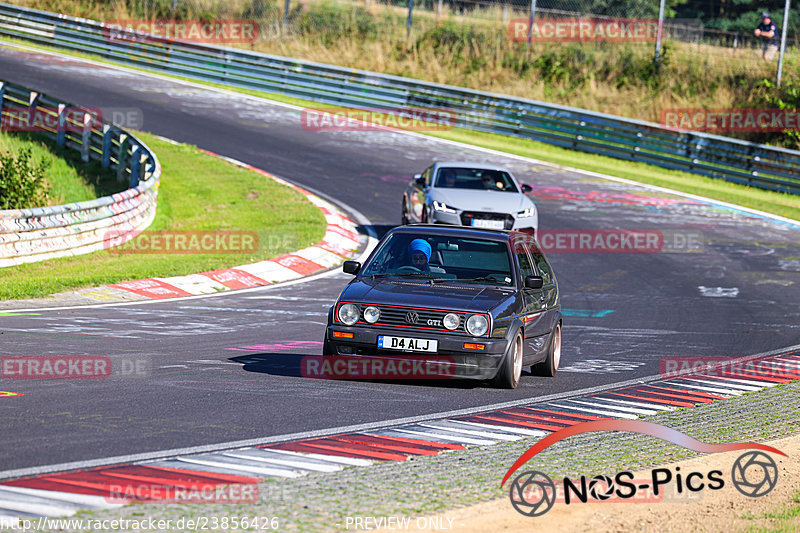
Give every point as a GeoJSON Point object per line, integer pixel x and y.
{"type": "Point", "coordinates": [469, 194]}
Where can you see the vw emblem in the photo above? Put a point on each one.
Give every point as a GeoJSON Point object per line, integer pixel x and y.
{"type": "Point", "coordinates": [412, 317]}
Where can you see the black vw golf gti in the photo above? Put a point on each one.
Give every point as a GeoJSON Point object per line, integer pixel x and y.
{"type": "Point", "coordinates": [473, 303]}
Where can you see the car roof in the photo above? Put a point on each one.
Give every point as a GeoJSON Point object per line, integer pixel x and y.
{"type": "Point", "coordinates": [456, 231]}
{"type": "Point", "coordinates": [470, 164]}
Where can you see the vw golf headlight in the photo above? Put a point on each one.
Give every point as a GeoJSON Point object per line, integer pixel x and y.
{"type": "Point", "coordinates": [372, 314]}
{"type": "Point", "coordinates": [442, 207]}
{"type": "Point", "coordinates": [527, 213]}
{"type": "Point", "coordinates": [477, 325]}
{"type": "Point", "coordinates": [451, 321]}
{"type": "Point", "coordinates": [348, 314]}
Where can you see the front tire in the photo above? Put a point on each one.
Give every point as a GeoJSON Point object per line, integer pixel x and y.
{"type": "Point", "coordinates": [511, 366]}
{"type": "Point", "coordinates": [327, 348]}
{"type": "Point", "coordinates": [404, 216]}
{"type": "Point", "coordinates": [549, 366]}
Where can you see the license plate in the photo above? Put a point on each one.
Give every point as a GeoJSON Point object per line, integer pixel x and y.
{"type": "Point", "coordinates": [488, 224]}
{"type": "Point", "coordinates": [407, 344]}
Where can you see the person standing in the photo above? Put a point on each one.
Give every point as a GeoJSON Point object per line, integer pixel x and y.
{"type": "Point", "coordinates": [768, 31]}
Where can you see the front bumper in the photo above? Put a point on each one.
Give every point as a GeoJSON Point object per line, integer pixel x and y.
{"type": "Point", "coordinates": [438, 217]}
{"type": "Point", "coordinates": [452, 359]}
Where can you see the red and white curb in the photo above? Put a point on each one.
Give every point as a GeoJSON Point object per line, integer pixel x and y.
{"type": "Point", "coordinates": [193, 475]}
{"type": "Point", "coordinates": [341, 242]}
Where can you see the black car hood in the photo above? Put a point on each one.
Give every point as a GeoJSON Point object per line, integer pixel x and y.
{"type": "Point", "coordinates": [442, 295]}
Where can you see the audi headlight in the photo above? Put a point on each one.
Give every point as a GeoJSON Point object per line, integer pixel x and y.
{"type": "Point", "coordinates": [348, 314]}
{"type": "Point", "coordinates": [451, 321]}
{"type": "Point", "coordinates": [372, 314]}
{"type": "Point", "coordinates": [442, 207]}
{"type": "Point", "coordinates": [477, 325]}
{"type": "Point", "coordinates": [527, 213]}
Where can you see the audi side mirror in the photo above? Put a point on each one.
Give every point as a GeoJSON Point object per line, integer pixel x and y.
{"type": "Point", "coordinates": [351, 267]}
{"type": "Point", "coordinates": [419, 180]}
{"type": "Point", "coordinates": [531, 282]}
{"type": "Point", "coordinates": [526, 188]}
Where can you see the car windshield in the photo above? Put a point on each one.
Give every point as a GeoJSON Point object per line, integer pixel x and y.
{"type": "Point", "coordinates": [475, 179]}
{"type": "Point", "coordinates": [436, 258]}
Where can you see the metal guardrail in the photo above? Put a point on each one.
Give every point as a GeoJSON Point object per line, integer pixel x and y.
{"type": "Point", "coordinates": [715, 156]}
{"type": "Point", "coordinates": [29, 235]}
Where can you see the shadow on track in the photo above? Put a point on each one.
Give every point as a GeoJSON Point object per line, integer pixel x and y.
{"type": "Point", "coordinates": [291, 365]}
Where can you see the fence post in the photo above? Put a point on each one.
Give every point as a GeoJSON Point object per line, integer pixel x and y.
{"type": "Point", "coordinates": [2, 92]}
{"type": "Point", "coordinates": [122, 157]}
{"type": "Point", "coordinates": [408, 22]}
{"type": "Point", "coordinates": [286, 16]}
{"type": "Point", "coordinates": [61, 134]}
{"type": "Point", "coordinates": [530, 22]}
{"type": "Point", "coordinates": [86, 138]}
{"type": "Point", "coordinates": [783, 42]}
{"type": "Point", "coordinates": [659, 33]}
{"type": "Point", "coordinates": [108, 133]}
{"type": "Point", "coordinates": [136, 166]}
{"type": "Point", "coordinates": [439, 10]}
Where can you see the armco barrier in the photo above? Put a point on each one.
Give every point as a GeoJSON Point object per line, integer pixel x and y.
{"type": "Point", "coordinates": [29, 235]}
{"type": "Point", "coordinates": [716, 156]}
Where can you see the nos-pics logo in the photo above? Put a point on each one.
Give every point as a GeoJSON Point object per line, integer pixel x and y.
{"type": "Point", "coordinates": [533, 493]}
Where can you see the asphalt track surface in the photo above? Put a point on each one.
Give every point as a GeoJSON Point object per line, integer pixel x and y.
{"type": "Point", "coordinates": [227, 368]}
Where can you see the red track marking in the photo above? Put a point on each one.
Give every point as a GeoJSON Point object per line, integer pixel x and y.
{"type": "Point", "coordinates": [687, 392]}
{"type": "Point", "coordinates": [788, 374]}
{"type": "Point", "coordinates": [337, 449]}
{"type": "Point", "coordinates": [222, 478]}
{"type": "Point", "coordinates": [722, 379]}
{"type": "Point", "coordinates": [563, 413]}
{"type": "Point", "coordinates": [511, 421]}
{"type": "Point", "coordinates": [39, 483]}
{"type": "Point", "coordinates": [652, 400]}
{"type": "Point", "coordinates": [235, 279]}
{"type": "Point", "coordinates": [151, 288]}
{"type": "Point", "coordinates": [540, 418]}
{"type": "Point", "coordinates": [694, 400]}
{"type": "Point", "coordinates": [301, 265]}
{"type": "Point", "coordinates": [739, 375]}
{"type": "Point", "coordinates": [162, 478]}
{"type": "Point", "coordinates": [430, 443]}
{"type": "Point", "coordinates": [386, 445]}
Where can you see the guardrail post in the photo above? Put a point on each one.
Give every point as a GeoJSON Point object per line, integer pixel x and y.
{"type": "Point", "coordinates": [122, 157]}
{"type": "Point", "coordinates": [108, 134]}
{"type": "Point", "coordinates": [86, 137]}
{"type": "Point", "coordinates": [136, 165]}
{"type": "Point", "coordinates": [61, 134]}
{"type": "Point", "coordinates": [33, 103]}
{"type": "Point", "coordinates": [2, 92]}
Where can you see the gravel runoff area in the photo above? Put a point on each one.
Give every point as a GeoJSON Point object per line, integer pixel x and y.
{"type": "Point", "coordinates": [443, 484]}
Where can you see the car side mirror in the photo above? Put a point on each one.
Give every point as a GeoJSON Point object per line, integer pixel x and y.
{"type": "Point", "coordinates": [531, 282]}
{"type": "Point", "coordinates": [419, 179]}
{"type": "Point", "coordinates": [526, 188]}
{"type": "Point", "coordinates": [351, 267]}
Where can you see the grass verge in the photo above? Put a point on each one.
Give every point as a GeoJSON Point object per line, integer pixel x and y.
{"type": "Point", "coordinates": [198, 192]}
{"type": "Point", "coordinates": [68, 178]}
